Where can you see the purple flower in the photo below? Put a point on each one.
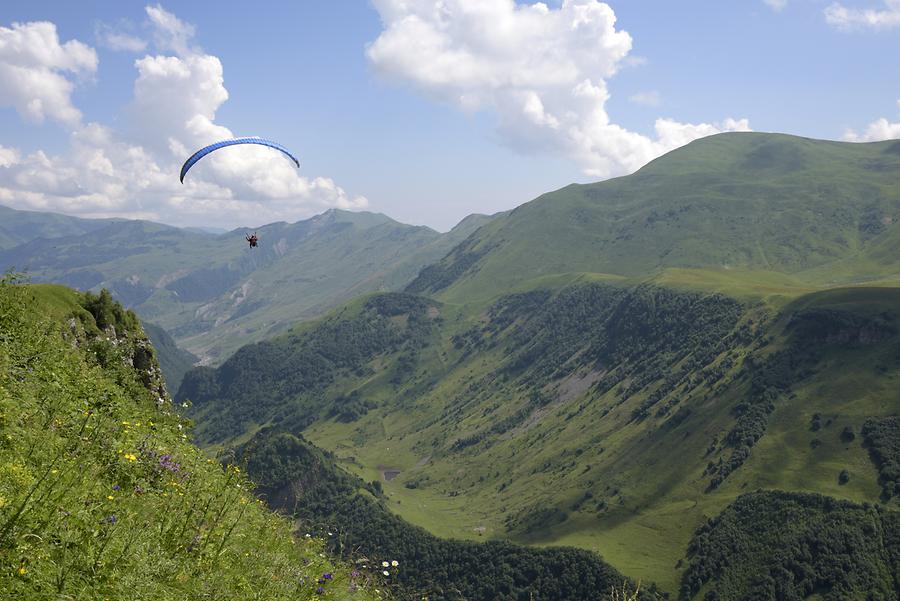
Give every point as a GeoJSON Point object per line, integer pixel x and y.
{"type": "Point", "coordinates": [116, 487]}
{"type": "Point", "coordinates": [320, 591]}
{"type": "Point", "coordinates": [354, 574]}
{"type": "Point", "coordinates": [327, 575]}
{"type": "Point", "coordinates": [111, 519]}
{"type": "Point", "coordinates": [166, 462]}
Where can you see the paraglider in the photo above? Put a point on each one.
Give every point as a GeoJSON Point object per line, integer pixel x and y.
{"type": "Point", "coordinates": [192, 160]}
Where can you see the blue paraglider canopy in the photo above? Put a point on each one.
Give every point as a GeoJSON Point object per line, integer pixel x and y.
{"type": "Point", "coordinates": [213, 147]}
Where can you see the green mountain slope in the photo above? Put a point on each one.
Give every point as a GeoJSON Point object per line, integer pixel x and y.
{"type": "Point", "coordinates": [614, 417]}
{"type": "Point", "coordinates": [102, 496]}
{"type": "Point", "coordinates": [735, 201]}
{"type": "Point", "coordinates": [301, 480]}
{"type": "Point", "coordinates": [826, 549]}
{"type": "Point", "coordinates": [19, 227]}
{"type": "Point", "coordinates": [213, 294]}
{"type": "Point", "coordinates": [611, 365]}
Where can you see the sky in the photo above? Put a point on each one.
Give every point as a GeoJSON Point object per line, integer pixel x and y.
{"type": "Point", "coordinates": [425, 110]}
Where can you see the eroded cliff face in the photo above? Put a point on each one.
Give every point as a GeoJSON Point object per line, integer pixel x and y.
{"type": "Point", "coordinates": [126, 342]}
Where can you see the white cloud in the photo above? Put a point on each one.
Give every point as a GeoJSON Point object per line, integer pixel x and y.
{"type": "Point", "coordinates": [650, 98]}
{"type": "Point", "coordinates": [542, 71]}
{"type": "Point", "coordinates": [115, 38]}
{"type": "Point", "coordinates": [169, 32]}
{"type": "Point", "coordinates": [880, 129]}
{"type": "Point", "coordinates": [134, 172]}
{"type": "Point", "coordinates": [33, 67]}
{"type": "Point", "coordinates": [846, 19]}
{"type": "Point", "coordinates": [776, 5]}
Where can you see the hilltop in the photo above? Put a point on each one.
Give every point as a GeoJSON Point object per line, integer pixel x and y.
{"type": "Point", "coordinates": [808, 212]}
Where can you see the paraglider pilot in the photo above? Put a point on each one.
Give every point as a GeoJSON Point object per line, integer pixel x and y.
{"type": "Point", "coordinates": [253, 240]}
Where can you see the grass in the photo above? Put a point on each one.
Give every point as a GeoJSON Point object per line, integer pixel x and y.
{"type": "Point", "coordinates": [650, 478]}
{"type": "Point", "coordinates": [101, 494]}
{"type": "Point", "coordinates": [826, 212]}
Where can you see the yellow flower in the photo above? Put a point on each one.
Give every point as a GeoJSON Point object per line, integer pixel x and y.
{"type": "Point", "coordinates": [130, 457]}
{"type": "Point", "coordinates": [395, 563]}
{"type": "Point", "coordinates": [54, 471]}
{"type": "Point", "coordinates": [22, 570]}
{"type": "Point", "coordinates": [110, 497]}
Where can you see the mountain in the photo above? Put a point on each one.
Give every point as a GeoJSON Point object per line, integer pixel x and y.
{"type": "Point", "coordinates": [102, 496]}
{"type": "Point", "coordinates": [731, 202]}
{"type": "Point", "coordinates": [212, 293]}
{"type": "Point", "coordinates": [18, 227]}
{"type": "Point", "coordinates": [612, 366]}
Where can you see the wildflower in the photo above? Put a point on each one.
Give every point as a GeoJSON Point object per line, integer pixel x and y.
{"type": "Point", "coordinates": [395, 563]}
{"type": "Point", "coordinates": [329, 534]}
{"type": "Point", "coordinates": [384, 564]}
{"type": "Point", "coordinates": [116, 487]}
{"type": "Point", "coordinates": [166, 463]}
{"type": "Point", "coordinates": [110, 497]}
{"type": "Point", "coordinates": [327, 575]}
{"type": "Point", "coordinates": [385, 572]}
{"type": "Point", "coordinates": [112, 519]}
{"type": "Point", "coordinates": [354, 574]}
{"type": "Point", "coordinates": [54, 471]}
{"type": "Point", "coordinates": [22, 570]}
{"type": "Point", "coordinates": [130, 457]}
{"type": "Point", "coordinates": [320, 591]}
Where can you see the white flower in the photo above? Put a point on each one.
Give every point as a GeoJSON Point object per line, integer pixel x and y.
{"type": "Point", "coordinates": [384, 564]}
{"type": "Point", "coordinates": [386, 573]}
{"type": "Point", "coordinates": [395, 563]}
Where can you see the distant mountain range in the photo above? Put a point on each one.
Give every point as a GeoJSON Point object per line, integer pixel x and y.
{"type": "Point", "coordinates": [211, 292]}
{"type": "Point", "coordinates": [619, 366]}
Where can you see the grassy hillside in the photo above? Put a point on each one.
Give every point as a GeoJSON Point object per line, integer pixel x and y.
{"type": "Point", "coordinates": [606, 415]}
{"type": "Point", "coordinates": [731, 202]}
{"type": "Point", "coordinates": [612, 365]}
{"type": "Point", "coordinates": [301, 480]}
{"type": "Point", "coordinates": [102, 496]}
{"type": "Point", "coordinates": [213, 294]}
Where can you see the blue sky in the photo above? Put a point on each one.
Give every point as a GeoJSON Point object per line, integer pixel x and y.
{"type": "Point", "coordinates": [426, 115]}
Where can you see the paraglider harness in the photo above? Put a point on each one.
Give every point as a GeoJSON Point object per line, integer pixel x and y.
{"type": "Point", "coordinates": [253, 240]}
